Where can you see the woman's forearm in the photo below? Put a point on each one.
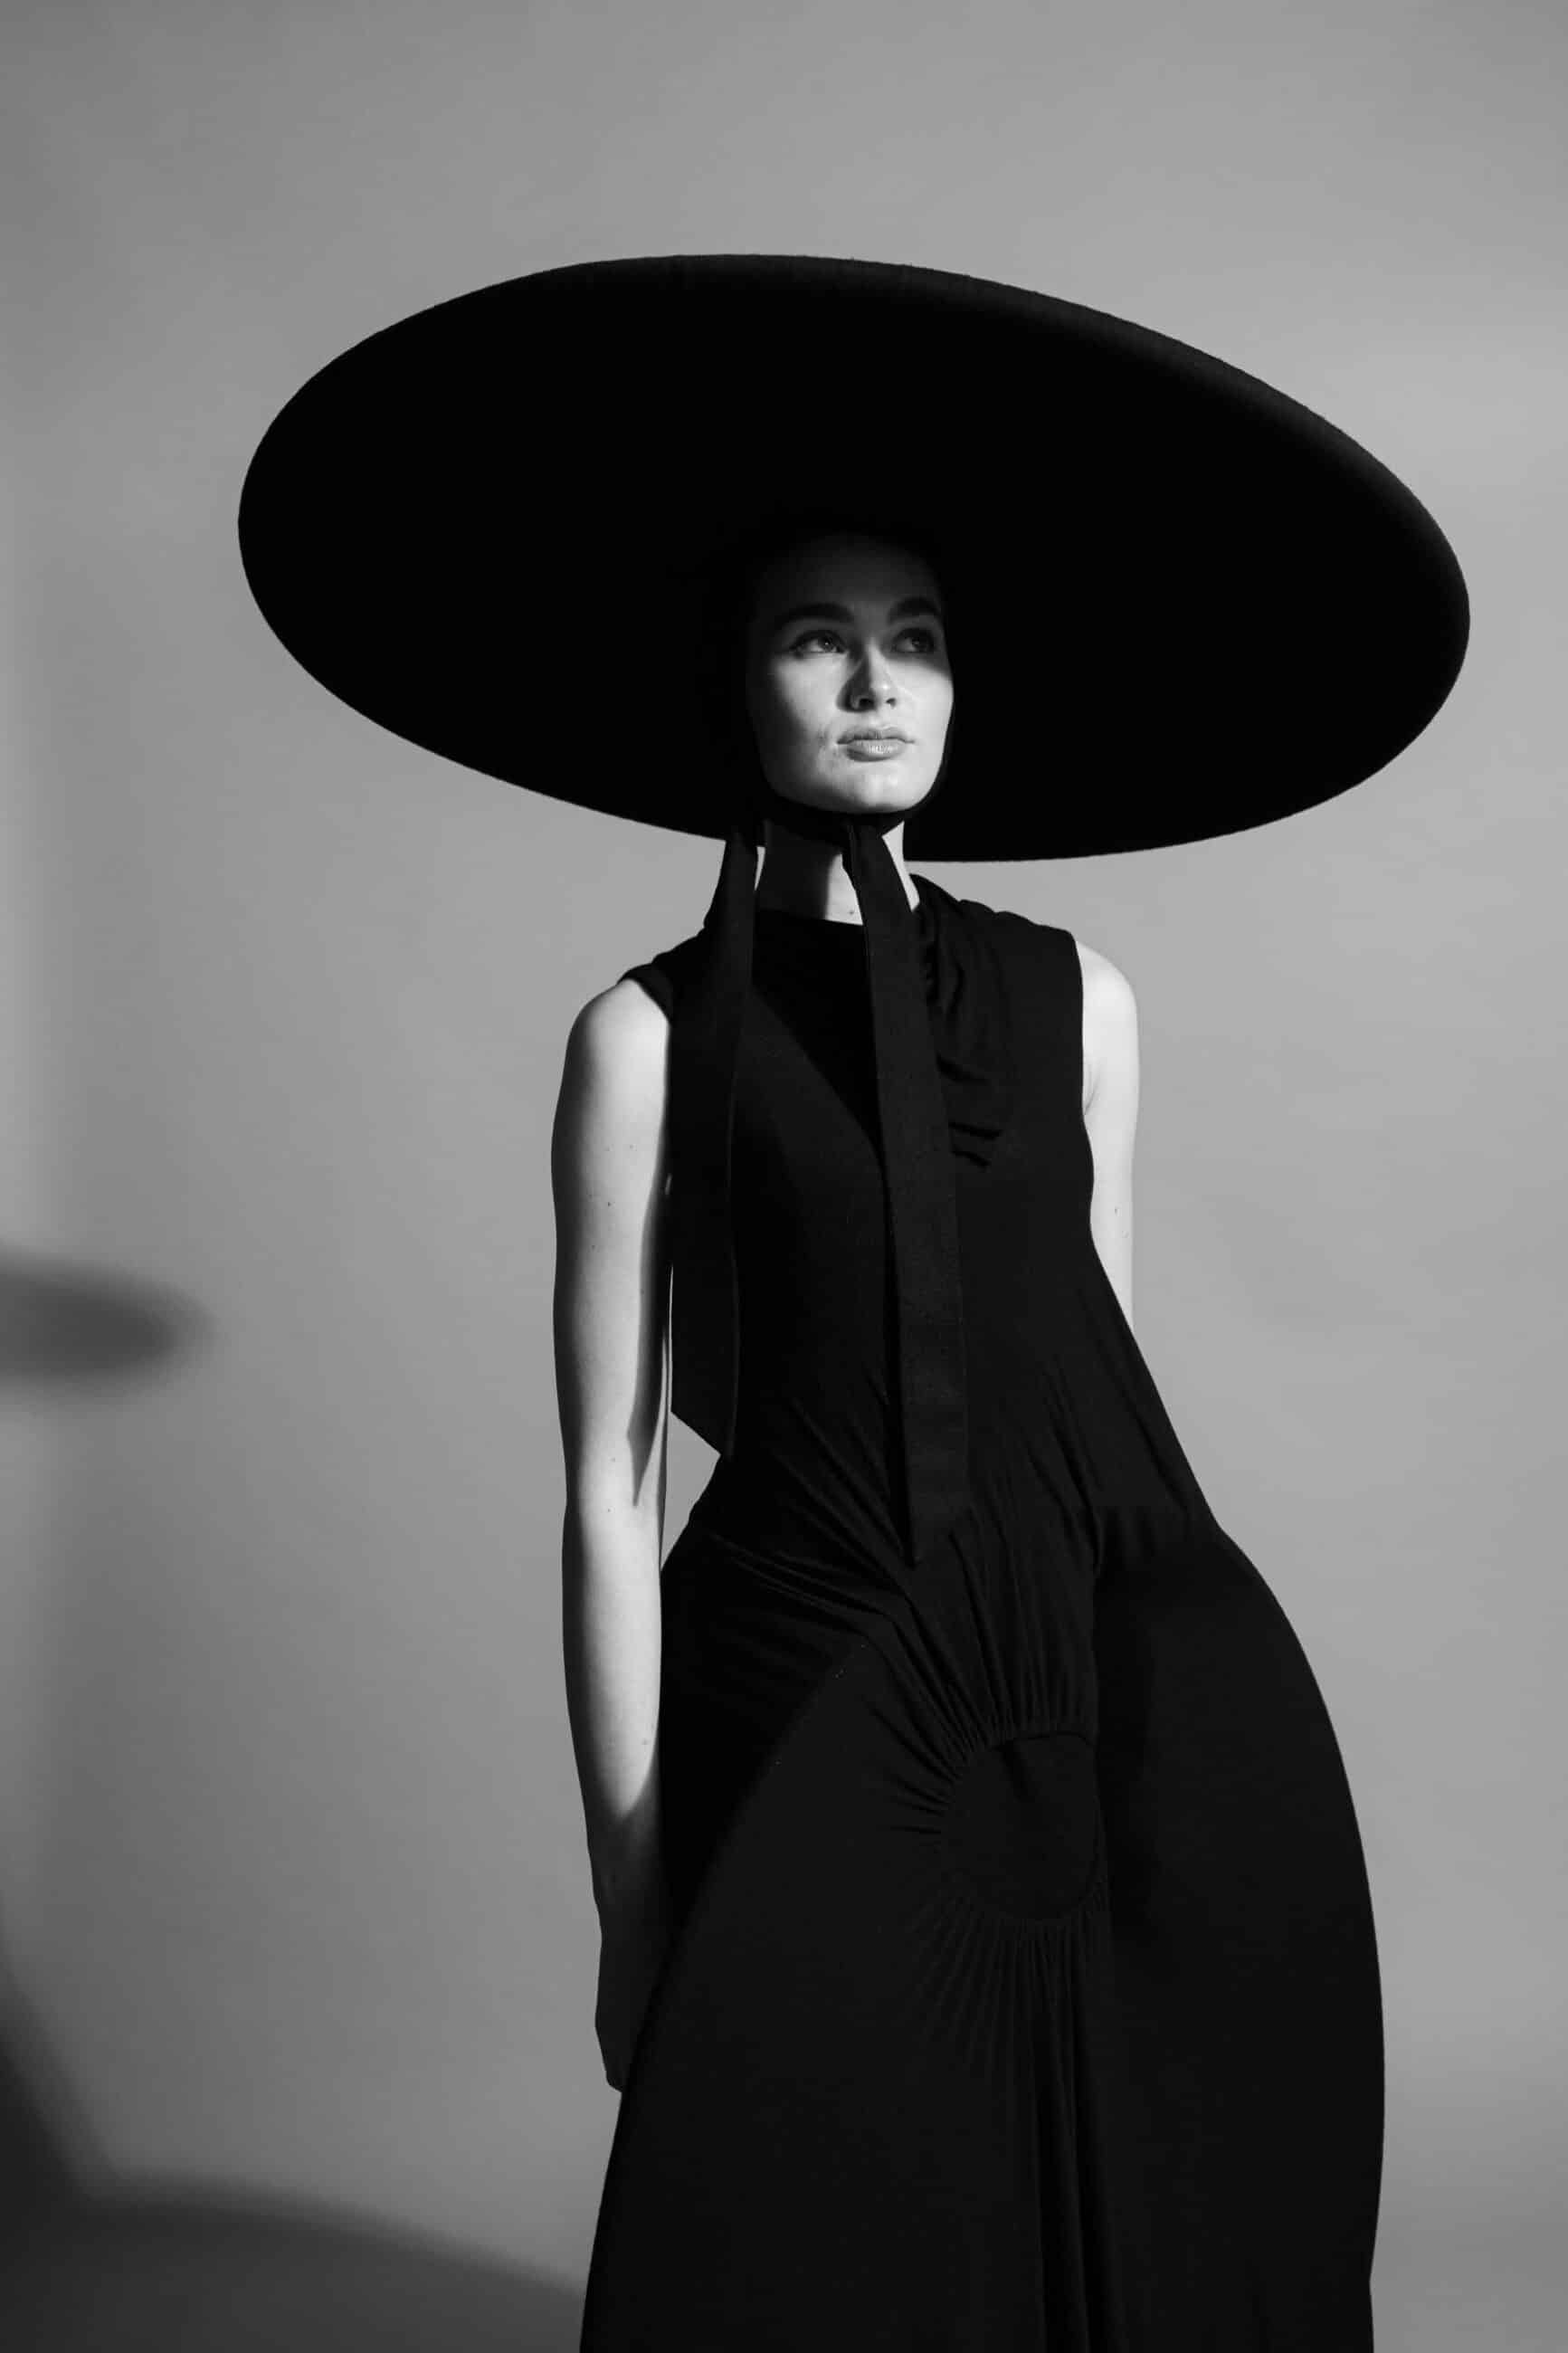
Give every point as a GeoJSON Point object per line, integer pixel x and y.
{"type": "Point", "coordinates": [611, 1639]}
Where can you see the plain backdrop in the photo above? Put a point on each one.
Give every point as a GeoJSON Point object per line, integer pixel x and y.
{"type": "Point", "coordinates": [293, 1891]}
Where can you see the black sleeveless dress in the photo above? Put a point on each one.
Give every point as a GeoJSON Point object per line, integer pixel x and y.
{"type": "Point", "coordinates": [1024, 1994]}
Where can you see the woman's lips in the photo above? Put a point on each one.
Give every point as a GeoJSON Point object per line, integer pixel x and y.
{"type": "Point", "coordinates": [873, 747]}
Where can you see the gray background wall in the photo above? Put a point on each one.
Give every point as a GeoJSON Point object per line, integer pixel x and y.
{"type": "Point", "coordinates": [292, 1884]}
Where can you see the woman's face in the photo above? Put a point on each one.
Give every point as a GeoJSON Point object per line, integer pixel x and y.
{"type": "Point", "coordinates": [846, 634]}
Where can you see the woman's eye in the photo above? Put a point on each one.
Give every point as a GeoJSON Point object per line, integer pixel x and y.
{"type": "Point", "coordinates": [820, 636]}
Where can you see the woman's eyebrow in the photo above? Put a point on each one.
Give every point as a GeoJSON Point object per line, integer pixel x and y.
{"type": "Point", "coordinates": [899, 612]}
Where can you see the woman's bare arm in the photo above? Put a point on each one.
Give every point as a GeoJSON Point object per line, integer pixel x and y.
{"type": "Point", "coordinates": [608, 1173]}
{"type": "Point", "coordinates": [1111, 1114]}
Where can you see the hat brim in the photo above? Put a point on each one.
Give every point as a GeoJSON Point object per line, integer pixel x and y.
{"type": "Point", "coordinates": [1181, 603]}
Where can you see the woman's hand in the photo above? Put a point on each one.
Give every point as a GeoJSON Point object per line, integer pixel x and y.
{"type": "Point", "coordinates": [631, 1953]}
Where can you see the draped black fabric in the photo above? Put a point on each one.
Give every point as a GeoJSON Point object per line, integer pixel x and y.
{"type": "Point", "coordinates": [1024, 1996]}
{"type": "Point", "coordinates": [912, 1122]}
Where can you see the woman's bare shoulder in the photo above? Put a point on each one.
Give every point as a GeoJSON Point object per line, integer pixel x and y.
{"type": "Point", "coordinates": [1107, 991]}
{"type": "Point", "coordinates": [1109, 1012]}
{"type": "Point", "coordinates": [617, 1055]}
{"type": "Point", "coordinates": [1099, 969]}
{"type": "Point", "coordinates": [624, 1031]}
{"type": "Point", "coordinates": [612, 1110]}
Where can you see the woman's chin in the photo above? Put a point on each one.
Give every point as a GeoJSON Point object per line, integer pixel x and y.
{"type": "Point", "coordinates": [866, 788]}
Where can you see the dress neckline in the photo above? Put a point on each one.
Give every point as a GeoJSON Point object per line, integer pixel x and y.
{"type": "Point", "coordinates": [815, 922]}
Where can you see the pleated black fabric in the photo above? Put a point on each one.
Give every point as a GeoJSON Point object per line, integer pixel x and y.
{"type": "Point", "coordinates": [1025, 1993]}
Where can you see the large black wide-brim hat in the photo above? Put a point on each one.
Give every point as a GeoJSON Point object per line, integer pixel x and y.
{"type": "Point", "coordinates": [1179, 602]}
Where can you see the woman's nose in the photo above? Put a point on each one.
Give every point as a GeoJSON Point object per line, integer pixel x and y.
{"type": "Point", "coordinates": [873, 677]}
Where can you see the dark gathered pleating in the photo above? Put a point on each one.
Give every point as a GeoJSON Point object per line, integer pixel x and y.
{"type": "Point", "coordinates": [1024, 1996]}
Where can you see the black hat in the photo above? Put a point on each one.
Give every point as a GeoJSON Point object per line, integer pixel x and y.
{"type": "Point", "coordinates": [519, 520]}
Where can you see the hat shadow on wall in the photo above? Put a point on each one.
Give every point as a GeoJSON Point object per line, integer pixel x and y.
{"type": "Point", "coordinates": [62, 1325]}
{"type": "Point", "coordinates": [91, 2262]}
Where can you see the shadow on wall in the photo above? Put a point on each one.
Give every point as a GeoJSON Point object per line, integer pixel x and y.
{"type": "Point", "coordinates": [91, 2265]}
{"type": "Point", "coordinates": [61, 1324]}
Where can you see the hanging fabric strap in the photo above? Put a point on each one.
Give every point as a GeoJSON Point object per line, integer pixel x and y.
{"type": "Point", "coordinates": [923, 1210]}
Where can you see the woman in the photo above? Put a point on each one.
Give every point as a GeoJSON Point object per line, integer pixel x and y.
{"type": "Point", "coordinates": [984, 1766]}
{"type": "Point", "coordinates": [987, 1956]}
